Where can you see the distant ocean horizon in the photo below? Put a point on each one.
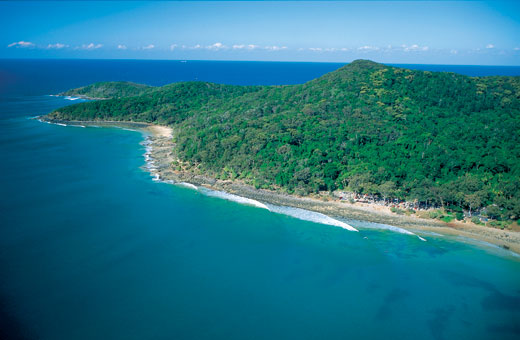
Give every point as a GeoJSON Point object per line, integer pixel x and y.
{"type": "Point", "coordinates": [54, 74]}
{"type": "Point", "coordinates": [92, 248]}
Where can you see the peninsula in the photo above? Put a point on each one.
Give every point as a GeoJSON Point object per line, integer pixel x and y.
{"type": "Point", "coordinates": [433, 144]}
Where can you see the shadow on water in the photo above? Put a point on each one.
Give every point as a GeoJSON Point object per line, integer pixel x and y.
{"type": "Point", "coordinates": [499, 301]}
{"type": "Point", "coordinates": [459, 279]}
{"type": "Point", "coordinates": [390, 302]}
{"type": "Point", "coordinates": [510, 328]}
{"type": "Point", "coordinates": [10, 327]}
{"type": "Point", "coordinates": [439, 322]}
{"type": "Point", "coordinates": [494, 301]}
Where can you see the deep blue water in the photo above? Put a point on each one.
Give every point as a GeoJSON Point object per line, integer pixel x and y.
{"type": "Point", "coordinates": [51, 76]}
{"type": "Point", "coordinates": [92, 248]}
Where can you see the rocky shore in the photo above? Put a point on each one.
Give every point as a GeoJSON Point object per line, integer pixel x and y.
{"type": "Point", "coordinates": [160, 158]}
{"type": "Point", "coordinates": [161, 155]}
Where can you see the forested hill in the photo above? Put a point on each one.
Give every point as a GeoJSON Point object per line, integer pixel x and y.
{"type": "Point", "coordinates": [434, 137]}
{"type": "Point", "coordinates": [108, 90]}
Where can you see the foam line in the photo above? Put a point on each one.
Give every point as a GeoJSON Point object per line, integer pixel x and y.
{"type": "Point", "coordinates": [188, 185]}
{"type": "Point", "coordinates": [311, 216]}
{"type": "Point", "coordinates": [234, 198]}
{"type": "Point", "coordinates": [392, 228]}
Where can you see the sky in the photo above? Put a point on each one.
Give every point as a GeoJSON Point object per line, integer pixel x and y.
{"type": "Point", "coordinates": [413, 32]}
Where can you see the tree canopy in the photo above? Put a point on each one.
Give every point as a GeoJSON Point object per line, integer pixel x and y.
{"type": "Point", "coordinates": [436, 137]}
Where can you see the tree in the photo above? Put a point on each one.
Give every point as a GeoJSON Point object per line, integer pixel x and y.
{"type": "Point", "coordinates": [474, 200]}
{"type": "Point", "coordinates": [387, 189]}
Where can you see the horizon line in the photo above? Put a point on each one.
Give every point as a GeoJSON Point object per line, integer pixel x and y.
{"type": "Point", "coordinates": [258, 61]}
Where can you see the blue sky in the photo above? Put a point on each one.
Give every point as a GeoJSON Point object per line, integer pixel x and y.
{"type": "Point", "coordinates": [441, 32]}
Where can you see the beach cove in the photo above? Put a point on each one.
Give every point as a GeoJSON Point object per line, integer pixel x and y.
{"type": "Point", "coordinates": [160, 157]}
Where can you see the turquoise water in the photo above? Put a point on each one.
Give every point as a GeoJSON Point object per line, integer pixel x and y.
{"type": "Point", "coordinates": [91, 247]}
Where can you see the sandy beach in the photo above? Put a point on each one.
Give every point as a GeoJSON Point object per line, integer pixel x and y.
{"type": "Point", "coordinates": [160, 156]}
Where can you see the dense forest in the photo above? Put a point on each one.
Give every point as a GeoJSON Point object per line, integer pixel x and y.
{"type": "Point", "coordinates": [106, 90]}
{"type": "Point", "coordinates": [434, 137]}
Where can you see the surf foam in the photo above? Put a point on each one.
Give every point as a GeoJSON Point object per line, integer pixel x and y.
{"type": "Point", "coordinates": [150, 162]}
{"type": "Point", "coordinates": [395, 229]}
{"type": "Point", "coordinates": [311, 216]}
{"type": "Point", "coordinates": [234, 198]}
{"type": "Point", "coordinates": [188, 185]}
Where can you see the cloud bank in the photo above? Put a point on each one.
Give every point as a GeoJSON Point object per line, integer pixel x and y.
{"type": "Point", "coordinates": [23, 44]}
{"type": "Point", "coordinates": [56, 46]}
{"type": "Point", "coordinates": [90, 46]}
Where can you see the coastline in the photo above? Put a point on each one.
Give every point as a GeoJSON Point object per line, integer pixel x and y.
{"type": "Point", "coordinates": [159, 157]}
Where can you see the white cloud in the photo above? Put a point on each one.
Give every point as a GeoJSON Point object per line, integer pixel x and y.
{"type": "Point", "coordinates": [327, 49]}
{"type": "Point", "coordinates": [516, 49]}
{"type": "Point", "coordinates": [368, 48]}
{"type": "Point", "coordinates": [245, 47]}
{"type": "Point", "coordinates": [149, 47]}
{"type": "Point", "coordinates": [195, 47]}
{"type": "Point", "coordinates": [21, 44]}
{"type": "Point", "coordinates": [414, 47]}
{"type": "Point", "coordinates": [56, 46]}
{"type": "Point", "coordinates": [216, 46]}
{"type": "Point", "coordinates": [90, 46]}
{"type": "Point", "coordinates": [389, 49]}
{"type": "Point", "coordinates": [173, 47]}
{"type": "Point", "coordinates": [490, 46]}
{"type": "Point", "coordinates": [275, 48]}
{"type": "Point", "coordinates": [121, 47]}
{"type": "Point", "coordinates": [454, 52]}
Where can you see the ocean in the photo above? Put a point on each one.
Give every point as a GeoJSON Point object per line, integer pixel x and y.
{"type": "Point", "coordinates": [92, 248]}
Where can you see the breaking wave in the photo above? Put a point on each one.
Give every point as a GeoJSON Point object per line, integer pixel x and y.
{"type": "Point", "coordinates": [188, 185]}
{"type": "Point", "coordinates": [371, 225]}
{"type": "Point", "coordinates": [234, 198]}
{"type": "Point", "coordinates": [311, 216]}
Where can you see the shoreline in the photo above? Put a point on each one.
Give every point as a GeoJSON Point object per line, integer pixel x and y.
{"type": "Point", "coordinates": [159, 157]}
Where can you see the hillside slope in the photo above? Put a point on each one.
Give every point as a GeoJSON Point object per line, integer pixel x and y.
{"type": "Point", "coordinates": [435, 137]}
{"type": "Point", "coordinates": [108, 90]}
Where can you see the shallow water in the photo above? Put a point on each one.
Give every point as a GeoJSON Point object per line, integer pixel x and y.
{"type": "Point", "coordinates": [92, 247]}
